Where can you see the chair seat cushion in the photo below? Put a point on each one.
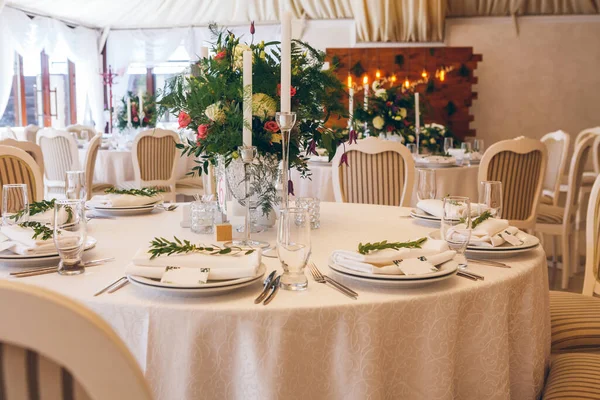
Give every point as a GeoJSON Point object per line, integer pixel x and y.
{"type": "Point", "coordinates": [189, 182]}
{"type": "Point", "coordinates": [573, 376]}
{"type": "Point", "coordinates": [547, 197]}
{"type": "Point", "coordinates": [575, 322]}
{"type": "Point", "coordinates": [548, 214]}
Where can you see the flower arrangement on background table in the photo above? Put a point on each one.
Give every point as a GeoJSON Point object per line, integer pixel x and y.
{"type": "Point", "coordinates": [432, 137]}
{"type": "Point", "coordinates": [148, 120]}
{"type": "Point", "coordinates": [210, 102]}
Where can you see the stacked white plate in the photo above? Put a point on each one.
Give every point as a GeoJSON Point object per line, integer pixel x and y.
{"type": "Point", "coordinates": [9, 259]}
{"type": "Point", "coordinates": [123, 211]}
{"type": "Point", "coordinates": [205, 289]}
{"type": "Point", "coordinates": [505, 250]}
{"type": "Point", "coordinates": [435, 162]}
{"type": "Point", "coordinates": [445, 271]}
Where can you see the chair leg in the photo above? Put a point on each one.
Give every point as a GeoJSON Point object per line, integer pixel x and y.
{"type": "Point", "coordinates": [565, 261]}
{"type": "Point", "coordinates": [574, 241]}
{"type": "Point", "coordinates": [554, 251]}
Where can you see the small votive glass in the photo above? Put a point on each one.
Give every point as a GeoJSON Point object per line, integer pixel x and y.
{"type": "Point", "coordinates": [203, 216]}
{"type": "Point", "coordinates": [312, 205]}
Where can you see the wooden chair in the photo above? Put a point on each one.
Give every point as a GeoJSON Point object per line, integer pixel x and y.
{"type": "Point", "coordinates": [90, 166]}
{"type": "Point", "coordinates": [60, 155]}
{"type": "Point", "coordinates": [155, 160]}
{"type": "Point", "coordinates": [54, 348]}
{"type": "Point", "coordinates": [575, 318]}
{"type": "Point", "coordinates": [520, 164]}
{"type": "Point", "coordinates": [16, 166]}
{"type": "Point", "coordinates": [7, 133]}
{"type": "Point", "coordinates": [378, 172]}
{"type": "Point", "coordinates": [573, 376]}
{"type": "Point", "coordinates": [82, 132]}
{"type": "Point", "coordinates": [30, 133]}
{"type": "Point", "coordinates": [560, 221]}
{"type": "Point", "coordinates": [557, 146]}
{"type": "Point", "coordinates": [30, 148]}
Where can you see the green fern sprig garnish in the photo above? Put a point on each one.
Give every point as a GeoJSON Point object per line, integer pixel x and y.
{"type": "Point", "coordinates": [36, 207]}
{"type": "Point", "coordinates": [368, 247]}
{"type": "Point", "coordinates": [146, 192]}
{"type": "Point", "coordinates": [39, 229]}
{"type": "Point", "coordinates": [160, 246]}
{"type": "Point", "coordinates": [485, 215]}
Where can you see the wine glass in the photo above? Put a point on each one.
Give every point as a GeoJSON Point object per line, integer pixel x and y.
{"type": "Point", "coordinates": [466, 150]}
{"type": "Point", "coordinates": [448, 144]}
{"type": "Point", "coordinates": [75, 185]}
{"type": "Point", "coordinates": [70, 235]}
{"type": "Point", "coordinates": [293, 247]}
{"type": "Point", "coordinates": [490, 198]}
{"type": "Point", "coordinates": [456, 226]}
{"type": "Point", "coordinates": [478, 146]}
{"type": "Point", "coordinates": [15, 204]}
{"type": "Point", "coordinates": [426, 185]}
{"type": "Point", "coordinates": [412, 147]}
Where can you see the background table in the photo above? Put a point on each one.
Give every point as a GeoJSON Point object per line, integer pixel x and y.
{"type": "Point", "coordinates": [457, 181]}
{"type": "Point", "coordinates": [115, 167]}
{"type": "Point", "coordinates": [456, 339]}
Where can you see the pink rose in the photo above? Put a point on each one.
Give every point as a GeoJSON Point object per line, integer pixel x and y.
{"type": "Point", "coordinates": [272, 126]}
{"type": "Point", "coordinates": [202, 131]}
{"type": "Point", "coordinates": [184, 119]}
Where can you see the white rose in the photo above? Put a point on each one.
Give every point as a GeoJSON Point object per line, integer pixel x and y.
{"type": "Point", "coordinates": [378, 122]}
{"type": "Point", "coordinates": [215, 113]}
{"type": "Point", "coordinates": [376, 86]}
{"type": "Point", "coordinates": [238, 55]}
{"type": "Point", "coordinates": [263, 106]}
{"type": "Point", "coordinates": [411, 138]}
{"type": "Point", "coordinates": [432, 141]}
{"type": "Point", "coordinates": [381, 93]}
{"type": "Point", "coordinates": [402, 112]}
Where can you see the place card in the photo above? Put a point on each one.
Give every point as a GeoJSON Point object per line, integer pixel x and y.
{"type": "Point", "coordinates": [416, 266]}
{"type": "Point", "coordinates": [184, 275]}
{"type": "Point", "coordinates": [512, 239]}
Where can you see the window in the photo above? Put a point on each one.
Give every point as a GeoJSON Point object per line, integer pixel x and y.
{"type": "Point", "coordinates": [10, 116]}
{"type": "Point", "coordinates": [32, 74]}
{"type": "Point", "coordinates": [60, 94]}
{"type": "Point", "coordinates": [177, 63]}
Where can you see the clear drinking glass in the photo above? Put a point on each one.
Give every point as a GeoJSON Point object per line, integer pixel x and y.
{"type": "Point", "coordinates": [478, 146]}
{"type": "Point", "coordinates": [466, 156]}
{"type": "Point", "coordinates": [70, 235]}
{"type": "Point", "coordinates": [75, 185]}
{"type": "Point", "coordinates": [490, 198]}
{"type": "Point", "coordinates": [14, 200]}
{"type": "Point", "coordinates": [426, 185]}
{"type": "Point", "coordinates": [456, 226]}
{"type": "Point", "coordinates": [293, 247]}
{"type": "Point", "coordinates": [448, 144]}
{"type": "Point", "coordinates": [412, 147]}
{"type": "Point", "coordinates": [313, 206]}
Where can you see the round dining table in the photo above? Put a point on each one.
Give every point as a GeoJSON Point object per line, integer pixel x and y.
{"type": "Point", "coordinates": [456, 181]}
{"type": "Point", "coordinates": [453, 339]}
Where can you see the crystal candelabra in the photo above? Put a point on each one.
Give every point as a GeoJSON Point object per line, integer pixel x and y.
{"type": "Point", "coordinates": [286, 121]}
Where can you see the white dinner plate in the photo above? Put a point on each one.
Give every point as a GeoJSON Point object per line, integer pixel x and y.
{"type": "Point", "coordinates": [450, 268]}
{"type": "Point", "coordinates": [210, 288]}
{"type": "Point", "coordinates": [444, 269]}
{"type": "Point", "coordinates": [503, 251]}
{"type": "Point", "coordinates": [417, 213]}
{"type": "Point", "coordinates": [124, 211]}
{"type": "Point", "coordinates": [436, 165]}
{"type": "Point", "coordinates": [9, 259]}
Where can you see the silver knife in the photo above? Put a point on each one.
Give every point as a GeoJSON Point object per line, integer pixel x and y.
{"type": "Point", "coordinates": [473, 274]}
{"type": "Point", "coordinates": [489, 262]}
{"type": "Point", "coordinates": [274, 291]}
{"type": "Point", "coordinates": [267, 286]}
{"type": "Point", "coordinates": [50, 270]}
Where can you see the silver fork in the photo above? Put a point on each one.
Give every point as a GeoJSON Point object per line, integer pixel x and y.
{"type": "Point", "coordinates": [168, 208]}
{"type": "Point", "coordinates": [320, 278]}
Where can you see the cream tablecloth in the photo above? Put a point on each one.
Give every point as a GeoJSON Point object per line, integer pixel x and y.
{"type": "Point", "coordinates": [457, 181]}
{"type": "Point", "coordinates": [115, 167]}
{"type": "Point", "coordinates": [457, 339]}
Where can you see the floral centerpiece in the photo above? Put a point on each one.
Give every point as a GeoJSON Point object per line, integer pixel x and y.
{"type": "Point", "coordinates": [432, 137]}
{"type": "Point", "coordinates": [149, 111]}
{"type": "Point", "coordinates": [210, 102]}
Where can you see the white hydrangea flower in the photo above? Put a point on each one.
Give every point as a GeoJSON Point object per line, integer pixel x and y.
{"type": "Point", "coordinates": [215, 113]}
{"type": "Point", "coordinates": [378, 122]}
{"type": "Point", "coordinates": [411, 138]}
{"type": "Point", "coordinates": [381, 93]}
{"type": "Point", "coordinates": [402, 112]}
{"type": "Point", "coordinates": [432, 141]}
{"type": "Point", "coordinates": [263, 106]}
{"type": "Point", "coordinates": [238, 55]}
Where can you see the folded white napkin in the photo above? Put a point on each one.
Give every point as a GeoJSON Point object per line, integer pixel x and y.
{"type": "Point", "coordinates": [47, 217]}
{"type": "Point", "coordinates": [435, 160]}
{"type": "Point", "coordinates": [435, 207]}
{"type": "Point", "coordinates": [20, 241]}
{"type": "Point", "coordinates": [381, 262]}
{"type": "Point", "coordinates": [221, 267]}
{"type": "Point", "coordinates": [457, 153]}
{"type": "Point", "coordinates": [123, 200]}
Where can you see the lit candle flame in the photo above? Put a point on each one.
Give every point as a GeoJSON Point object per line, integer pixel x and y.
{"type": "Point", "coordinates": [365, 80]}
{"type": "Point", "coordinates": [442, 75]}
{"type": "Point", "coordinates": [378, 74]}
{"type": "Point", "coordinates": [393, 78]}
{"type": "Point", "coordinates": [349, 81]}
{"type": "Point", "coordinates": [424, 74]}
{"type": "Point", "coordinates": [406, 83]}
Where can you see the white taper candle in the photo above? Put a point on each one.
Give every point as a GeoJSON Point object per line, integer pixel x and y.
{"type": "Point", "coordinates": [247, 85]}
{"type": "Point", "coordinates": [286, 61]}
{"type": "Point", "coordinates": [203, 52]}
{"type": "Point", "coordinates": [417, 121]}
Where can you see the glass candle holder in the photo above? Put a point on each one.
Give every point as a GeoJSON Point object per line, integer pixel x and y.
{"type": "Point", "coordinates": [203, 216]}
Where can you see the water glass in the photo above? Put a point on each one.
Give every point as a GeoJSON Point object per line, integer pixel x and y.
{"type": "Point", "coordinates": [70, 235]}
{"type": "Point", "coordinates": [478, 146]}
{"type": "Point", "coordinates": [490, 198]}
{"type": "Point", "coordinates": [313, 206]}
{"type": "Point", "coordinates": [448, 144]}
{"type": "Point", "coordinates": [466, 150]}
{"type": "Point", "coordinates": [426, 185]}
{"type": "Point", "coordinates": [75, 185]}
{"type": "Point", "coordinates": [203, 216]}
{"type": "Point", "coordinates": [456, 226]}
{"type": "Point", "coordinates": [293, 247]}
{"type": "Point", "coordinates": [15, 201]}
{"type": "Point", "coordinates": [412, 147]}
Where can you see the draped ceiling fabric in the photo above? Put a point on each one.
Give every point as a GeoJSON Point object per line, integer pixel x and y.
{"type": "Point", "coordinates": [23, 35]}
{"type": "Point", "coordinates": [485, 8]}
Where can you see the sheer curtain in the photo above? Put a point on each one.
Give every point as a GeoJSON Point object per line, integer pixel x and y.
{"type": "Point", "coordinates": [19, 33]}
